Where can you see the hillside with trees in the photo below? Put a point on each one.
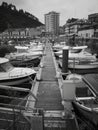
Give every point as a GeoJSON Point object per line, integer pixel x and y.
{"type": "Point", "coordinates": [10, 17]}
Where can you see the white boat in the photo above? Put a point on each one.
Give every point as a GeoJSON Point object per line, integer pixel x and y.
{"type": "Point", "coordinates": [79, 54]}
{"type": "Point", "coordinates": [72, 50]}
{"type": "Point", "coordinates": [57, 47]}
{"type": "Point", "coordinates": [24, 55]}
{"type": "Point", "coordinates": [32, 50]}
{"type": "Point", "coordinates": [36, 48]}
{"type": "Point", "coordinates": [10, 75]}
{"type": "Point", "coordinates": [25, 62]}
{"type": "Point", "coordinates": [81, 66]}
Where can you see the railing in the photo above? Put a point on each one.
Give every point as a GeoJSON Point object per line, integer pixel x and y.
{"type": "Point", "coordinates": [16, 116]}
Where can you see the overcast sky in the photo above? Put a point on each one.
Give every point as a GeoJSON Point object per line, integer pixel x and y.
{"type": "Point", "coordinates": [66, 8]}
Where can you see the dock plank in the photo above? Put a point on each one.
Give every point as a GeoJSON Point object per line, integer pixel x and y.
{"type": "Point", "coordinates": [49, 96]}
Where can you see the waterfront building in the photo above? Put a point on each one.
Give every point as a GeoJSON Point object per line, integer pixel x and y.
{"type": "Point", "coordinates": [90, 31]}
{"type": "Point", "coordinates": [52, 23]}
{"type": "Point", "coordinates": [93, 18]}
{"type": "Point", "coordinates": [72, 27]}
{"type": "Point", "coordinates": [15, 33]}
{"type": "Point", "coordinates": [21, 33]}
{"type": "Point", "coordinates": [61, 30]}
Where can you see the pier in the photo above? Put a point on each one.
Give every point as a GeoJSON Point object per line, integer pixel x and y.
{"type": "Point", "coordinates": [43, 108]}
{"type": "Point", "coordinates": [48, 94]}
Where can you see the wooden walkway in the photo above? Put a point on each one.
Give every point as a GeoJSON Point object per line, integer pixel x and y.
{"type": "Point", "coordinates": [49, 99]}
{"type": "Point", "coordinates": [48, 95]}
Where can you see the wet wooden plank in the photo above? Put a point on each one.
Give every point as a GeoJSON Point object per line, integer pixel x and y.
{"type": "Point", "coordinates": [49, 96]}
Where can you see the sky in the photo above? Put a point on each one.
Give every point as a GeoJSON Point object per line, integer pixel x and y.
{"type": "Point", "coordinates": [67, 8]}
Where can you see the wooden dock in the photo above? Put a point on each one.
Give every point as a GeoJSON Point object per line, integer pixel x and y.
{"type": "Point", "coordinates": [48, 95]}
{"type": "Point", "coordinates": [44, 109]}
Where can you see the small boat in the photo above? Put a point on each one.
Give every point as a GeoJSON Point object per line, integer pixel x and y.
{"type": "Point", "coordinates": [87, 108]}
{"type": "Point", "coordinates": [86, 103]}
{"type": "Point", "coordinates": [80, 55]}
{"type": "Point", "coordinates": [58, 47]}
{"type": "Point", "coordinates": [84, 67]}
{"type": "Point", "coordinates": [36, 48]}
{"type": "Point", "coordinates": [81, 63]}
{"type": "Point", "coordinates": [72, 50]}
{"type": "Point", "coordinates": [10, 75]}
{"type": "Point", "coordinates": [25, 57]}
{"type": "Point", "coordinates": [81, 67]}
{"type": "Point", "coordinates": [26, 52]}
{"type": "Point", "coordinates": [25, 62]}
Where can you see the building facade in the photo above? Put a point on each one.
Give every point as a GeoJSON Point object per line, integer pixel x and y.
{"type": "Point", "coordinates": [52, 23]}
{"type": "Point", "coordinates": [73, 27]}
{"type": "Point", "coordinates": [19, 33]}
{"type": "Point", "coordinates": [93, 18]}
{"type": "Point", "coordinates": [13, 33]}
{"type": "Point", "coordinates": [88, 31]}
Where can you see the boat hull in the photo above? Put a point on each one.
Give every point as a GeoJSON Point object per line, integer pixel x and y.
{"type": "Point", "coordinates": [26, 63]}
{"type": "Point", "coordinates": [83, 69]}
{"type": "Point", "coordinates": [89, 115]}
{"type": "Point", "coordinates": [18, 81]}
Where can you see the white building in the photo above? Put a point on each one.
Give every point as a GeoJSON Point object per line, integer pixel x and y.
{"type": "Point", "coordinates": [15, 33]}
{"type": "Point", "coordinates": [88, 31]}
{"type": "Point", "coordinates": [73, 27]}
{"type": "Point", "coordinates": [52, 22]}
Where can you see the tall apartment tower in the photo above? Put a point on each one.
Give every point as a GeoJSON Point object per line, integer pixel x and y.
{"type": "Point", "coordinates": [52, 23]}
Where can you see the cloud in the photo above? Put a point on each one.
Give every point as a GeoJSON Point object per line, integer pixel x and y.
{"type": "Point", "coordinates": [66, 8]}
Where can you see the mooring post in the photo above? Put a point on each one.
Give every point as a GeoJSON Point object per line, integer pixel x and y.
{"type": "Point", "coordinates": [65, 60]}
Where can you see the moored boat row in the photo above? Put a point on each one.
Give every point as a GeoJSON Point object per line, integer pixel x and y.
{"type": "Point", "coordinates": [79, 59]}
{"type": "Point", "coordinates": [17, 70]}
{"type": "Point", "coordinates": [26, 56]}
{"type": "Point", "coordinates": [85, 102]}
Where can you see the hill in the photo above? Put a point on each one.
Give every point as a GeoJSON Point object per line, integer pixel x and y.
{"type": "Point", "coordinates": [10, 17]}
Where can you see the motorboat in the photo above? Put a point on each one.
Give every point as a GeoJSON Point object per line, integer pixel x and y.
{"type": "Point", "coordinates": [81, 62]}
{"type": "Point", "coordinates": [10, 75]}
{"type": "Point", "coordinates": [81, 66]}
{"type": "Point", "coordinates": [72, 50]}
{"type": "Point", "coordinates": [39, 47]}
{"type": "Point", "coordinates": [57, 47]}
{"type": "Point", "coordinates": [85, 67]}
{"type": "Point", "coordinates": [82, 56]}
{"type": "Point", "coordinates": [26, 62]}
{"type": "Point", "coordinates": [24, 57]}
{"type": "Point", "coordinates": [25, 52]}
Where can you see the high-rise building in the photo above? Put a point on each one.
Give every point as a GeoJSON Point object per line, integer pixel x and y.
{"type": "Point", "coordinates": [52, 23]}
